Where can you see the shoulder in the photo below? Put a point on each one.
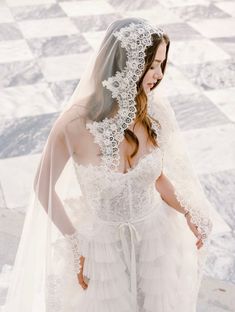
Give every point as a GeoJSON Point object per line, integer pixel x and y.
{"type": "Point", "coordinates": [68, 123]}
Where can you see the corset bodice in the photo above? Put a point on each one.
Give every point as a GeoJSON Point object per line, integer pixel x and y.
{"type": "Point", "coordinates": [117, 196]}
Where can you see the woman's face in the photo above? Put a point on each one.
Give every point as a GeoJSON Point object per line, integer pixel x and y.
{"type": "Point", "coordinates": [155, 71]}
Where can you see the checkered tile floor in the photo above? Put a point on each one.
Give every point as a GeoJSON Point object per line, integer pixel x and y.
{"type": "Point", "coordinates": [44, 48]}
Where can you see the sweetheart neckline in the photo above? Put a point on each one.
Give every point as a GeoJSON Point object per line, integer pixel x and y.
{"type": "Point", "coordinates": [129, 170]}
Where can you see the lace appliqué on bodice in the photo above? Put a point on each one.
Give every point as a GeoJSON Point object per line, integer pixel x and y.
{"type": "Point", "coordinates": [117, 196]}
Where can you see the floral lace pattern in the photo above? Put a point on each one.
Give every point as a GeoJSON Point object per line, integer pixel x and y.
{"type": "Point", "coordinates": [108, 133]}
{"type": "Point", "coordinates": [109, 194]}
{"type": "Point", "coordinates": [74, 242]}
{"type": "Point", "coordinates": [198, 218]}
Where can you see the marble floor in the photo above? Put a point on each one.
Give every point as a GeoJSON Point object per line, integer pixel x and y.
{"type": "Point", "coordinates": [44, 48]}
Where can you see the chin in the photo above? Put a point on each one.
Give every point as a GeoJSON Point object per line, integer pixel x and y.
{"type": "Point", "coordinates": [147, 91]}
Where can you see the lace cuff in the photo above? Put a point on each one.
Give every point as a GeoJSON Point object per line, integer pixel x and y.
{"type": "Point", "coordinates": [198, 217]}
{"type": "Point", "coordinates": [73, 239]}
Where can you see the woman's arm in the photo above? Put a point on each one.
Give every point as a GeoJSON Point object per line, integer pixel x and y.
{"type": "Point", "coordinates": [167, 192]}
{"type": "Point", "coordinates": [53, 161]}
{"type": "Point", "coordinates": [50, 168]}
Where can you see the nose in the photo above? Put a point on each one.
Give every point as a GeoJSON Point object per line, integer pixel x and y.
{"type": "Point", "coordinates": [158, 74]}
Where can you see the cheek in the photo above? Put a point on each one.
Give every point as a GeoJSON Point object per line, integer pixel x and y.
{"type": "Point", "coordinates": [146, 78]}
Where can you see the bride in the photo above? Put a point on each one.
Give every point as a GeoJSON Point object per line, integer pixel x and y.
{"type": "Point", "coordinates": [118, 220]}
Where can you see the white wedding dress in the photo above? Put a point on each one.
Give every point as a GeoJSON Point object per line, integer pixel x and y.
{"type": "Point", "coordinates": [139, 253]}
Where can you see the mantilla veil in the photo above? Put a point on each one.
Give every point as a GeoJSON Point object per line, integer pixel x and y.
{"type": "Point", "coordinates": [59, 223]}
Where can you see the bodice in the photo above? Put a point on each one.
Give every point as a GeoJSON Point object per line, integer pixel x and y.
{"type": "Point", "coordinates": [117, 196]}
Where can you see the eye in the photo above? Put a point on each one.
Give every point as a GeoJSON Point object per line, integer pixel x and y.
{"type": "Point", "coordinates": [153, 67]}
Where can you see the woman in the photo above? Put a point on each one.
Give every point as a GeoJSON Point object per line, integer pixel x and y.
{"type": "Point", "coordinates": [119, 221]}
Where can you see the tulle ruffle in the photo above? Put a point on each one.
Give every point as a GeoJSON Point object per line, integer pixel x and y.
{"type": "Point", "coordinates": [168, 264]}
{"type": "Point", "coordinates": [166, 267]}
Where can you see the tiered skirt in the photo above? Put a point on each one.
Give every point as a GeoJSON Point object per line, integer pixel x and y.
{"type": "Point", "coordinates": [167, 267]}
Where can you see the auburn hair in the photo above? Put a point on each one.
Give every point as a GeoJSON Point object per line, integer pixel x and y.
{"type": "Point", "coordinates": [141, 97]}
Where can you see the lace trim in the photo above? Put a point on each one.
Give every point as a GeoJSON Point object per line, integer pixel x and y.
{"type": "Point", "coordinates": [73, 239]}
{"type": "Point", "coordinates": [200, 219]}
{"type": "Point", "coordinates": [109, 132]}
